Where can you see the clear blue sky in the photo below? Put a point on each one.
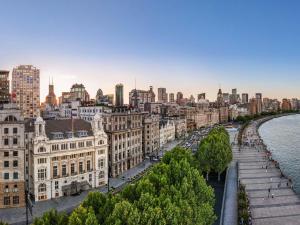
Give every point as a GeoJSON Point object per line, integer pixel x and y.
{"type": "Point", "coordinates": [188, 46]}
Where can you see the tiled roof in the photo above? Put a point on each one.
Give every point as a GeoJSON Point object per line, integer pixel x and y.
{"type": "Point", "coordinates": [64, 126]}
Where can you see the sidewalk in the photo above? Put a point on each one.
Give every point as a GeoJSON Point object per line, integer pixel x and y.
{"type": "Point", "coordinates": [230, 201]}
{"type": "Point", "coordinates": [17, 216]}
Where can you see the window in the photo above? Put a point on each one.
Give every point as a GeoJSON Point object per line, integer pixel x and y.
{"type": "Point", "coordinates": [101, 174]}
{"type": "Point", "coordinates": [42, 149]}
{"type": "Point", "coordinates": [15, 141]}
{"type": "Point", "coordinates": [15, 200]}
{"type": "Point", "coordinates": [15, 163]}
{"type": "Point", "coordinates": [72, 168]}
{"type": "Point", "coordinates": [89, 143]}
{"type": "Point", "coordinates": [64, 170]}
{"type": "Point", "coordinates": [56, 185]}
{"type": "Point", "coordinates": [101, 163]}
{"type": "Point", "coordinates": [55, 147]}
{"type": "Point", "coordinates": [15, 130]}
{"type": "Point", "coordinates": [81, 144]}
{"type": "Point", "coordinates": [15, 153]}
{"type": "Point", "coordinates": [6, 200]}
{"type": "Point", "coordinates": [6, 142]}
{"type": "Point", "coordinates": [100, 152]}
{"type": "Point", "coordinates": [54, 170]}
{"type": "Point", "coordinates": [16, 175]}
{"type": "Point", "coordinates": [42, 160]}
{"type": "Point", "coordinates": [6, 131]}
{"type": "Point", "coordinates": [6, 163]}
{"type": "Point", "coordinates": [72, 145]}
{"type": "Point", "coordinates": [6, 189]}
{"type": "Point", "coordinates": [42, 174]}
{"type": "Point", "coordinates": [42, 188]}
{"type": "Point", "coordinates": [88, 165]}
{"type": "Point", "coordinates": [64, 146]}
{"type": "Point", "coordinates": [80, 167]}
{"type": "Point", "coordinates": [15, 188]}
{"type": "Point", "coordinates": [6, 176]}
{"type": "Point", "coordinates": [90, 177]}
{"type": "Point", "coordinates": [6, 154]}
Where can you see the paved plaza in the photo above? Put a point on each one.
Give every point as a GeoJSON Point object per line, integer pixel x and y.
{"type": "Point", "coordinates": [272, 200]}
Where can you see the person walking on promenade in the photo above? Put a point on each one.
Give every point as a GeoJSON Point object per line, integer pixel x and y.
{"type": "Point", "coordinates": [269, 192]}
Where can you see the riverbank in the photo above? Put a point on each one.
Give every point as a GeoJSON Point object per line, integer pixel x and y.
{"type": "Point", "coordinates": [271, 198]}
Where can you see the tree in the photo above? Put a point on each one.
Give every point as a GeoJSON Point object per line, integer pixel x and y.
{"type": "Point", "coordinates": [124, 213]}
{"type": "Point", "coordinates": [52, 217]}
{"type": "Point", "coordinates": [214, 152]}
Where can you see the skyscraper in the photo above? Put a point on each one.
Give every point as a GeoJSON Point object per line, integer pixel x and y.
{"type": "Point", "coordinates": [162, 95]}
{"type": "Point", "coordinates": [245, 98]}
{"type": "Point", "coordinates": [179, 97]}
{"type": "Point", "coordinates": [258, 97]}
{"type": "Point", "coordinates": [4, 87]}
{"type": "Point", "coordinates": [119, 95]}
{"type": "Point", "coordinates": [171, 97]}
{"type": "Point", "coordinates": [26, 89]}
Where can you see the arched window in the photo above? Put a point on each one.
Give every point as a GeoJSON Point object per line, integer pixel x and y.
{"type": "Point", "coordinates": [10, 118]}
{"type": "Point", "coordinates": [42, 188]}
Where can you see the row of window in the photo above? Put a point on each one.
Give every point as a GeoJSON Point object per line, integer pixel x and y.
{"type": "Point", "coordinates": [7, 200]}
{"type": "Point", "coordinates": [73, 145]}
{"type": "Point", "coordinates": [6, 130]}
{"type": "Point", "coordinates": [6, 141]}
{"type": "Point", "coordinates": [122, 155]}
{"type": "Point", "coordinates": [133, 142]}
{"type": "Point", "coordinates": [6, 163]}
{"type": "Point", "coordinates": [14, 153]}
{"type": "Point", "coordinates": [73, 156]}
{"type": "Point", "coordinates": [14, 189]}
{"type": "Point", "coordinates": [133, 134]}
{"type": "Point", "coordinates": [42, 172]}
{"type": "Point", "coordinates": [6, 175]}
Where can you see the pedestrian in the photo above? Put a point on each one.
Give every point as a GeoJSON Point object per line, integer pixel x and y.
{"type": "Point", "coordinates": [269, 191]}
{"type": "Point", "coordinates": [272, 195]}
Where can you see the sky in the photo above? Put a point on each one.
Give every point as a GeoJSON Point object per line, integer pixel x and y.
{"type": "Point", "coordinates": [182, 45]}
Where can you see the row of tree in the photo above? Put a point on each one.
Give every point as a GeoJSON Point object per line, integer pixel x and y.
{"type": "Point", "coordinates": [247, 118]}
{"type": "Point", "coordinates": [172, 192]}
{"type": "Point", "coordinates": [214, 152]}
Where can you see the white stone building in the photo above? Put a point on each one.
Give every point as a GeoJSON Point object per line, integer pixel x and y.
{"type": "Point", "coordinates": [166, 132]}
{"type": "Point", "coordinates": [87, 113]}
{"type": "Point", "coordinates": [66, 156]}
{"type": "Point", "coordinates": [151, 135]}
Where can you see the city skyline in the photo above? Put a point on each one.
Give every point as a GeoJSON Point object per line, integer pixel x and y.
{"type": "Point", "coordinates": [190, 47]}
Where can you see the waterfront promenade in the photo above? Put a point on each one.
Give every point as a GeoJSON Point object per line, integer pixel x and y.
{"type": "Point", "coordinates": [272, 200]}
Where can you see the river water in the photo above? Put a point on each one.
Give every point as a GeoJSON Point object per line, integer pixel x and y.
{"type": "Point", "coordinates": [282, 136]}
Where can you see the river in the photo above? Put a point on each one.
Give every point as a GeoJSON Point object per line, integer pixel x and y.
{"type": "Point", "coordinates": [282, 136]}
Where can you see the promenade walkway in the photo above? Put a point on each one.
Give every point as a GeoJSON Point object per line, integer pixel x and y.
{"type": "Point", "coordinates": [230, 203]}
{"type": "Point", "coordinates": [272, 200]}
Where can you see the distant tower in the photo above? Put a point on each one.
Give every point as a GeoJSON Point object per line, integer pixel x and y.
{"type": "Point", "coordinates": [51, 97]}
{"type": "Point", "coordinates": [119, 95]}
{"type": "Point", "coordinates": [220, 100]}
{"type": "Point", "coordinates": [4, 87]}
{"type": "Point", "coordinates": [26, 89]}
